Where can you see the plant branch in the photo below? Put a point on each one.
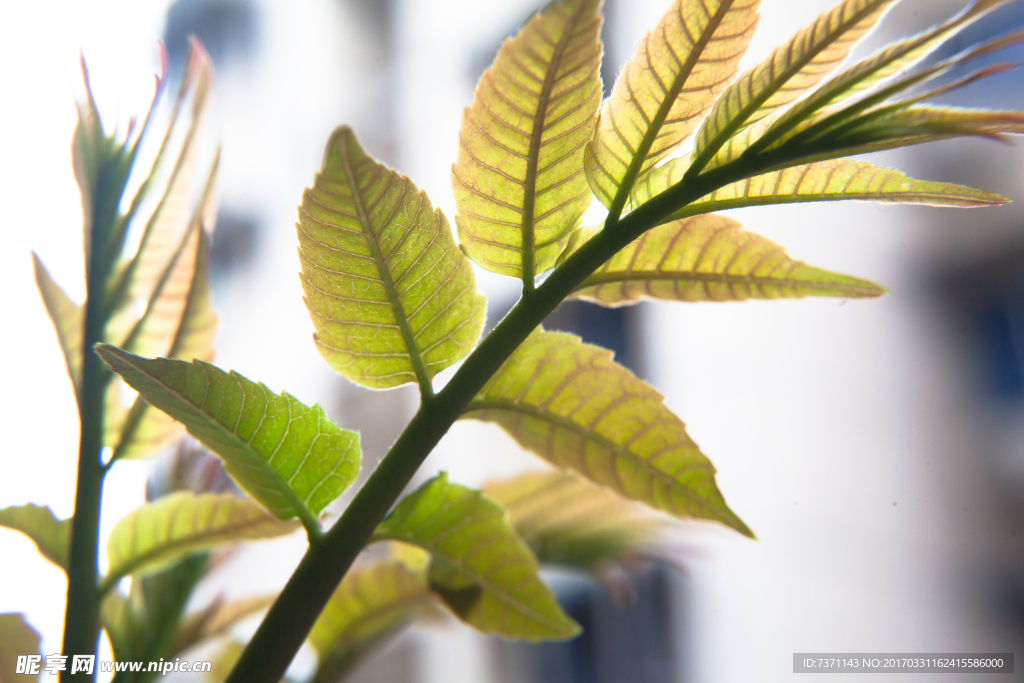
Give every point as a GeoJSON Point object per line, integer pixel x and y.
{"type": "Point", "coordinates": [283, 630]}
{"type": "Point", "coordinates": [82, 615]}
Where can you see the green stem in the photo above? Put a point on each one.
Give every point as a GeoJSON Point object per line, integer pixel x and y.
{"type": "Point", "coordinates": [81, 620]}
{"type": "Point", "coordinates": [283, 630]}
{"type": "Point", "coordinates": [82, 615]}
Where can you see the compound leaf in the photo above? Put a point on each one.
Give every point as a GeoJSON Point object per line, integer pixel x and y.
{"type": "Point", "coordinates": [17, 639]}
{"type": "Point", "coordinates": [664, 91]}
{"type": "Point", "coordinates": [51, 535]}
{"type": "Point", "coordinates": [786, 74]}
{"type": "Point", "coordinates": [479, 566]}
{"type": "Point", "coordinates": [567, 520]}
{"type": "Point", "coordinates": [392, 298]}
{"type": "Point", "coordinates": [886, 63]}
{"type": "Point", "coordinates": [150, 537]}
{"type": "Point", "coordinates": [370, 602]}
{"type": "Point", "coordinates": [67, 318]}
{"type": "Point", "coordinates": [288, 456]}
{"type": "Point", "coordinates": [518, 181]}
{"type": "Point", "coordinates": [709, 258]}
{"type": "Point", "coordinates": [571, 404]}
{"type": "Point", "coordinates": [822, 181]}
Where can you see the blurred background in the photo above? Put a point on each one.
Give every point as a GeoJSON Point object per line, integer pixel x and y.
{"type": "Point", "coordinates": [875, 447]}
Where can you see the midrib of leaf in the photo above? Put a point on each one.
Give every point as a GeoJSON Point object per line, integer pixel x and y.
{"type": "Point", "coordinates": [431, 547]}
{"type": "Point", "coordinates": [685, 276]}
{"type": "Point", "coordinates": [714, 205]}
{"type": "Point", "coordinates": [533, 156]}
{"type": "Point", "coordinates": [633, 171]}
{"type": "Point", "coordinates": [586, 434]}
{"type": "Point", "coordinates": [139, 560]}
{"type": "Point", "coordinates": [770, 89]}
{"type": "Point", "coordinates": [420, 368]}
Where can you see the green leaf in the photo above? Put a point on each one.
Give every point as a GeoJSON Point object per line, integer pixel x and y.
{"type": "Point", "coordinates": [822, 181]}
{"type": "Point", "coordinates": [142, 626]}
{"type": "Point", "coordinates": [571, 404]}
{"type": "Point", "coordinates": [17, 639]}
{"type": "Point", "coordinates": [215, 620]}
{"type": "Point", "coordinates": [678, 70]}
{"type": "Point", "coordinates": [479, 566]}
{"type": "Point", "coordinates": [289, 457]}
{"type": "Point", "coordinates": [709, 258]}
{"type": "Point", "coordinates": [182, 523]}
{"type": "Point", "coordinates": [902, 126]}
{"type": "Point", "coordinates": [885, 64]}
{"type": "Point", "coordinates": [67, 318]}
{"type": "Point", "coordinates": [391, 297]}
{"type": "Point", "coordinates": [786, 74]}
{"type": "Point", "coordinates": [569, 521]}
{"type": "Point", "coordinates": [51, 535]}
{"type": "Point", "coordinates": [518, 182]}
{"type": "Point", "coordinates": [370, 602]}
{"type": "Point", "coordinates": [143, 430]}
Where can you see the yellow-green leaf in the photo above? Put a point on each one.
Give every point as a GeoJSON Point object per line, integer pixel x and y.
{"type": "Point", "coordinates": [571, 404]}
{"type": "Point", "coordinates": [900, 126]}
{"type": "Point", "coordinates": [884, 64]}
{"type": "Point", "coordinates": [288, 456]}
{"type": "Point", "coordinates": [51, 535]}
{"type": "Point", "coordinates": [518, 182]}
{"type": "Point", "coordinates": [567, 520]}
{"type": "Point", "coordinates": [17, 639]}
{"type": "Point", "coordinates": [216, 619]}
{"type": "Point", "coordinates": [183, 523]}
{"type": "Point", "coordinates": [822, 181]}
{"type": "Point", "coordinates": [479, 566]}
{"type": "Point", "coordinates": [392, 298]}
{"type": "Point", "coordinates": [709, 258]}
{"type": "Point", "coordinates": [170, 218]}
{"type": "Point", "coordinates": [786, 74]}
{"type": "Point", "coordinates": [663, 93]}
{"type": "Point", "coordinates": [143, 430]}
{"type": "Point", "coordinates": [67, 318]}
{"type": "Point", "coordinates": [370, 602]}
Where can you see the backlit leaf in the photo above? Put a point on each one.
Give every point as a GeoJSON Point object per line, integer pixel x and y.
{"type": "Point", "coordinates": [678, 70]}
{"type": "Point", "coordinates": [216, 619]}
{"type": "Point", "coordinates": [51, 535]}
{"type": "Point", "coordinates": [787, 73]}
{"type": "Point", "coordinates": [392, 298]}
{"type": "Point", "coordinates": [822, 181]}
{"type": "Point", "coordinates": [885, 64]}
{"type": "Point", "coordinates": [571, 404]}
{"type": "Point", "coordinates": [144, 430]}
{"type": "Point", "coordinates": [170, 218]}
{"type": "Point", "coordinates": [709, 258]}
{"type": "Point", "coordinates": [17, 639]}
{"type": "Point", "coordinates": [183, 523]}
{"type": "Point", "coordinates": [479, 566]}
{"type": "Point", "coordinates": [567, 520]}
{"type": "Point", "coordinates": [288, 456]}
{"type": "Point", "coordinates": [67, 318]}
{"type": "Point", "coordinates": [901, 126]}
{"type": "Point", "coordinates": [369, 602]}
{"type": "Point", "coordinates": [142, 625]}
{"type": "Point", "coordinates": [518, 182]}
